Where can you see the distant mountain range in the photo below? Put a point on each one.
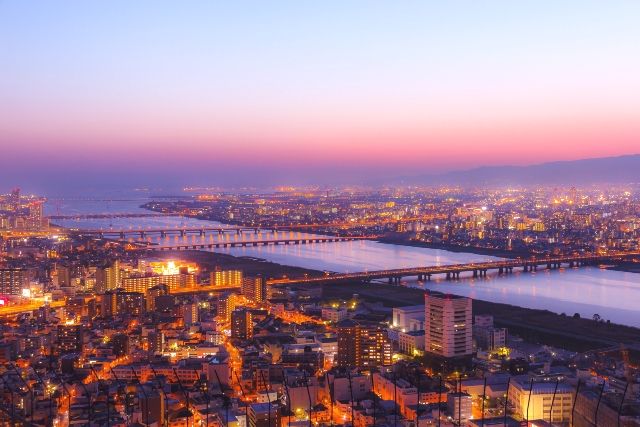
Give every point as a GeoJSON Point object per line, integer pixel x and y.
{"type": "Point", "coordinates": [622, 169]}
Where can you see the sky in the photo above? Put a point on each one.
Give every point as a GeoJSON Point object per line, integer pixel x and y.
{"type": "Point", "coordinates": [274, 92]}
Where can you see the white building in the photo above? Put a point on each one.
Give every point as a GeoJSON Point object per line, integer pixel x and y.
{"type": "Point", "coordinates": [411, 343]}
{"type": "Point", "coordinates": [334, 315]}
{"type": "Point", "coordinates": [459, 408]}
{"type": "Point", "coordinates": [448, 327]}
{"type": "Point", "coordinates": [403, 317]}
{"type": "Point", "coordinates": [539, 405]}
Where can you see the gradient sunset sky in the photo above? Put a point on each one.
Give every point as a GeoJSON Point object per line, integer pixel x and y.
{"type": "Point", "coordinates": [241, 92]}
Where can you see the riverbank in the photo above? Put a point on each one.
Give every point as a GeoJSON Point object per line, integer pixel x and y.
{"type": "Point", "coordinates": [536, 326]}
{"type": "Point", "coordinates": [210, 261]}
{"type": "Point", "coordinates": [533, 325]}
{"type": "Point", "coordinates": [501, 253]}
{"type": "Point", "coordinates": [627, 267]}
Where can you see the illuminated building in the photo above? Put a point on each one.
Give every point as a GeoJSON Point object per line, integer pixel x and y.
{"type": "Point", "coordinates": [254, 288]}
{"type": "Point", "coordinates": [12, 281]}
{"type": "Point", "coordinates": [35, 220]}
{"type": "Point", "coordinates": [408, 318]}
{"type": "Point", "coordinates": [486, 335]}
{"type": "Point", "coordinates": [226, 304]}
{"type": "Point", "coordinates": [63, 273]}
{"type": "Point", "coordinates": [155, 342]}
{"type": "Point", "coordinates": [119, 302]}
{"type": "Point", "coordinates": [448, 326]}
{"type": "Point", "coordinates": [362, 345]}
{"type": "Point", "coordinates": [173, 281]}
{"type": "Point", "coordinates": [241, 324]}
{"type": "Point", "coordinates": [534, 402]}
{"type": "Point", "coordinates": [374, 347]}
{"type": "Point", "coordinates": [347, 334]}
{"type": "Point", "coordinates": [226, 278]}
{"type": "Point", "coordinates": [70, 338]}
{"type": "Point", "coordinates": [264, 415]}
{"type": "Point", "coordinates": [108, 278]}
{"type": "Point", "coordinates": [459, 407]}
{"type": "Point", "coordinates": [152, 405]}
{"type": "Point", "coordinates": [189, 314]}
{"type": "Point", "coordinates": [120, 344]}
{"type": "Point", "coordinates": [153, 293]}
{"type": "Point", "coordinates": [411, 342]}
{"type": "Point", "coordinates": [173, 267]}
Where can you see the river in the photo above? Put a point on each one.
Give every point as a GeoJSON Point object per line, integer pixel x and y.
{"type": "Point", "coordinates": [614, 295]}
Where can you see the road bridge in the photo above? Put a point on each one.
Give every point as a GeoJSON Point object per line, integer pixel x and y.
{"type": "Point", "coordinates": [112, 215]}
{"type": "Point", "coordinates": [251, 243]}
{"type": "Point", "coordinates": [479, 269]}
{"type": "Point", "coordinates": [162, 232]}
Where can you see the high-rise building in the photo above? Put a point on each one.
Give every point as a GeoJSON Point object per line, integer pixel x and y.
{"type": "Point", "coordinates": [374, 347]}
{"type": "Point", "coordinates": [120, 344]}
{"type": "Point", "coordinates": [263, 415]}
{"type": "Point", "coordinates": [108, 278]}
{"type": "Point", "coordinates": [70, 338]}
{"type": "Point", "coordinates": [173, 281]}
{"type": "Point", "coordinates": [64, 276]}
{"type": "Point", "coordinates": [12, 281]}
{"type": "Point", "coordinates": [119, 302]}
{"type": "Point", "coordinates": [362, 345]}
{"type": "Point", "coordinates": [153, 293]}
{"type": "Point", "coordinates": [254, 288]}
{"type": "Point", "coordinates": [346, 331]}
{"type": "Point", "coordinates": [226, 304]}
{"type": "Point", "coordinates": [35, 219]}
{"type": "Point", "coordinates": [155, 342]}
{"type": "Point", "coordinates": [189, 314]}
{"type": "Point", "coordinates": [226, 278]}
{"type": "Point", "coordinates": [241, 324]}
{"type": "Point", "coordinates": [151, 405]}
{"type": "Point", "coordinates": [448, 326]}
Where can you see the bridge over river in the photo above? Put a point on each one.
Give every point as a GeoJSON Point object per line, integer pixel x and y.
{"type": "Point", "coordinates": [478, 269]}
{"type": "Point", "coordinates": [248, 243]}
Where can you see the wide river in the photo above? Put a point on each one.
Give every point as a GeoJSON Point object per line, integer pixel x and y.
{"type": "Point", "coordinates": [613, 295]}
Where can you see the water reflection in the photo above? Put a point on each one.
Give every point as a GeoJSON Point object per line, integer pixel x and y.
{"type": "Point", "coordinates": [613, 295]}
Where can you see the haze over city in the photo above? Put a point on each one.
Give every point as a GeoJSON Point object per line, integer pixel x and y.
{"type": "Point", "coordinates": [163, 92]}
{"type": "Point", "coordinates": [319, 214]}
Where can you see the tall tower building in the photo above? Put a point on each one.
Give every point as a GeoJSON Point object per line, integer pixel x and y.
{"type": "Point", "coordinates": [448, 326]}
{"type": "Point", "coordinates": [346, 331]}
{"type": "Point", "coordinates": [362, 345]}
{"type": "Point", "coordinates": [254, 288]}
{"type": "Point", "coordinates": [12, 281]}
{"type": "Point", "coordinates": [108, 278]}
{"type": "Point", "coordinates": [226, 304]}
{"type": "Point", "coordinates": [242, 324]}
{"type": "Point", "coordinates": [153, 293]}
{"type": "Point", "coordinates": [70, 338]}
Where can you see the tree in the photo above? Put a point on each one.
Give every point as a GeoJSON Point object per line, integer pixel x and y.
{"type": "Point", "coordinates": [576, 315]}
{"type": "Point", "coordinates": [596, 317]}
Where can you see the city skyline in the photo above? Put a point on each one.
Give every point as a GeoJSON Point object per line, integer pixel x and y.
{"type": "Point", "coordinates": [292, 214]}
{"type": "Point", "coordinates": [311, 94]}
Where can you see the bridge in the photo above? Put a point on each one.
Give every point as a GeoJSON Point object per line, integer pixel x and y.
{"type": "Point", "coordinates": [112, 215]}
{"type": "Point", "coordinates": [349, 224]}
{"type": "Point", "coordinates": [163, 232]}
{"type": "Point", "coordinates": [251, 243]}
{"type": "Point", "coordinates": [453, 271]}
